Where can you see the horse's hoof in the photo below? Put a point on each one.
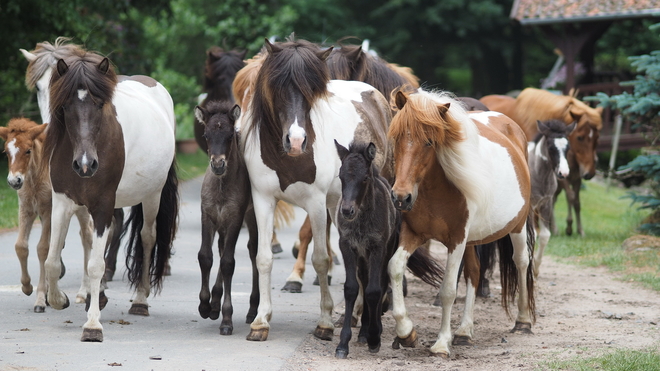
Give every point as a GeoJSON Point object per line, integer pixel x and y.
{"type": "Point", "coordinates": [295, 250]}
{"type": "Point", "coordinates": [39, 309]}
{"type": "Point", "coordinates": [27, 289]}
{"type": "Point", "coordinates": [462, 340]}
{"type": "Point", "coordinates": [362, 339]}
{"type": "Point", "coordinates": [323, 333]}
{"type": "Point", "coordinates": [569, 231]}
{"type": "Point", "coordinates": [408, 342]}
{"type": "Point", "coordinates": [139, 310]}
{"type": "Point", "coordinates": [375, 349]}
{"type": "Point", "coordinates": [484, 290]}
{"type": "Point", "coordinates": [341, 353]}
{"type": "Point", "coordinates": [93, 335]}
{"type": "Point", "coordinates": [317, 283]}
{"type": "Point", "coordinates": [258, 335]}
{"type": "Point", "coordinates": [442, 355]}
{"type": "Point", "coordinates": [167, 271]}
{"type": "Point", "coordinates": [438, 301]}
{"type": "Point", "coordinates": [293, 287]}
{"type": "Point", "coordinates": [276, 248]}
{"type": "Point", "coordinates": [204, 310]}
{"type": "Point", "coordinates": [226, 330]}
{"type": "Point", "coordinates": [214, 314]}
{"type": "Point", "coordinates": [522, 328]}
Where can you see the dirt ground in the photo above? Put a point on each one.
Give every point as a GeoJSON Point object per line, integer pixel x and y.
{"type": "Point", "coordinates": [581, 312]}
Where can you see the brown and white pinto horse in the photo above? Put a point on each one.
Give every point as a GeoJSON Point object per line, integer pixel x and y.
{"type": "Point", "coordinates": [288, 134]}
{"type": "Point", "coordinates": [110, 145]}
{"type": "Point", "coordinates": [28, 175]}
{"type": "Point", "coordinates": [536, 104]}
{"type": "Point", "coordinates": [462, 180]}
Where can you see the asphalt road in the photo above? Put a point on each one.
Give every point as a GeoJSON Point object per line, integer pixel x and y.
{"type": "Point", "coordinates": [174, 336]}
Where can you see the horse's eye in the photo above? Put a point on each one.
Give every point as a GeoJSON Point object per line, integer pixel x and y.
{"type": "Point", "coordinates": [36, 87]}
{"type": "Point", "coordinates": [429, 144]}
{"type": "Point", "coordinates": [28, 151]}
{"type": "Point", "coordinates": [580, 138]}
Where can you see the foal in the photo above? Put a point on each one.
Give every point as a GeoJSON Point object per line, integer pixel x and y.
{"type": "Point", "coordinates": [547, 162]}
{"type": "Point", "coordinates": [368, 225]}
{"type": "Point", "coordinates": [28, 175]}
{"type": "Point", "coordinates": [226, 201]}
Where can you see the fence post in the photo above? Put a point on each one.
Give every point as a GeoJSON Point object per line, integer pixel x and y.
{"type": "Point", "coordinates": [618, 120]}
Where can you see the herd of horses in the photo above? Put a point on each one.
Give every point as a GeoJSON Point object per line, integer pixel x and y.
{"type": "Point", "coordinates": [346, 136]}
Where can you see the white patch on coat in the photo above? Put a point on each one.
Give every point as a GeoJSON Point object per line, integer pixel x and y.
{"type": "Point", "coordinates": [484, 116]}
{"type": "Point", "coordinates": [296, 131]}
{"type": "Point", "coordinates": [82, 93]}
{"type": "Point", "coordinates": [539, 151]}
{"type": "Point", "coordinates": [13, 150]}
{"type": "Point", "coordinates": [562, 145]}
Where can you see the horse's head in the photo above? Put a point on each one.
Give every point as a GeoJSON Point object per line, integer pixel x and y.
{"type": "Point", "coordinates": [420, 127]}
{"type": "Point", "coordinates": [555, 136]}
{"type": "Point", "coordinates": [584, 139]}
{"type": "Point", "coordinates": [219, 118]}
{"type": "Point", "coordinates": [21, 138]}
{"type": "Point", "coordinates": [81, 98]}
{"type": "Point", "coordinates": [347, 63]}
{"type": "Point", "coordinates": [219, 72]}
{"type": "Point", "coordinates": [356, 175]}
{"type": "Point", "coordinates": [292, 78]}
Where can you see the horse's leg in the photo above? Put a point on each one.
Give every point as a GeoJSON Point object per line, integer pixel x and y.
{"type": "Point", "coordinates": [26, 218]}
{"type": "Point", "coordinates": [570, 200]}
{"type": "Point", "coordinates": [545, 214]}
{"type": "Point", "coordinates": [227, 266]}
{"type": "Point", "coordinates": [486, 258]}
{"type": "Point", "coordinates": [150, 207]}
{"type": "Point", "coordinates": [86, 237]}
{"type": "Point", "coordinates": [576, 184]}
{"type": "Point", "coordinates": [521, 257]}
{"type": "Point", "coordinates": [264, 208]}
{"type": "Point", "coordinates": [405, 333]}
{"type": "Point", "coordinates": [351, 289]}
{"type": "Point", "coordinates": [62, 211]}
{"type": "Point", "coordinates": [113, 248]}
{"type": "Point", "coordinates": [322, 262]}
{"type": "Point", "coordinates": [251, 222]}
{"type": "Point", "coordinates": [465, 332]}
{"type": "Point", "coordinates": [294, 282]}
{"type": "Point", "coordinates": [205, 259]}
{"type": "Point", "coordinates": [217, 291]}
{"type": "Point", "coordinates": [373, 294]}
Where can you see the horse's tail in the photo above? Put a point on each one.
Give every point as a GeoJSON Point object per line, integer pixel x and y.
{"type": "Point", "coordinates": [166, 225]}
{"type": "Point", "coordinates": [424, 266]}
{"type": "Point", "coordinates": [284, 214]}
{"type": "Point", "coordinates": [509, 272]}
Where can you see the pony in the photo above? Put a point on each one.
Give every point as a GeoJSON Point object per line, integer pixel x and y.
{"type": "Point", "coordinates": [536, 104]}
{"type": "Point", "coordinates": [37, 77]}
{"type": "Point", "coordinates": [463, 180]}
{"type": "Point", "coordinates": [110, 144]}
{"type": "Point", "coordinates": [28, 175]}
{"type": "Point", "coordinates": [547, 160]}
{"type": "Point", "coordinates": [226, 203]}
{"type": "Point", "coordinates": [368, 225]}
{"type": "Point", "coordinates": [288, 133]}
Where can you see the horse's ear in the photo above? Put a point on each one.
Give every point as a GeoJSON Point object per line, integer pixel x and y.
{"type": "Point", "coordinates": [355, 54]}
{"type": "Point", "coordinates": [201, 114]}
{"type": "Point", "coordinates": [62, 67]}
{"type": "Point", "coordinates": [400, 100]}
{"type": "Point", "coordinates": [325, 54]}
{"type": "Point", "coordinates": [599, 109]}
{"type": "Point", "coordinates": [4, 132]}
{"type": "Point", "coordinates": [29, 56]}
{"type": "Point", "coordinates": [443, 108]}
{"type": "Point", "coordinates": [542, 127]}
{"type": "Point", "coordinates": [370, 152]}
{"type": "Point", "coordinates": [571, 127]}
{"type": "Point", "coordinates": [272, 48]}
{"type": "Point", "coordinates": [235, 112]}
{"type": "Point", "coordinates": [37, 130]}
{"type": "Point", "coordinates": [341, 150]}
{"type": "Point", "coordinates": [104, 66]}
{"type": "Point", "coordinates": [243, 54]}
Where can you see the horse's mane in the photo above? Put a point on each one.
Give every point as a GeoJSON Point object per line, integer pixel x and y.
{"type": "Point", "coordinates": [47, 56]}
{"type": "Point", "coordinates": [454, 135]}
{"type": "Point", "coordinates": [82, 74]}
{"type": "Point", "coordinates": [406, 73]}
{"type": "Point", "coordinates": [246, 77]}
{"type": "Point", "coordinates": [557, 129]}
{"type": "Point", "coordinates": [537, 104]}
{"type": "Point", "coordinates": [291, 66]}
{"type": "Point", "coordinates": [220, 70]}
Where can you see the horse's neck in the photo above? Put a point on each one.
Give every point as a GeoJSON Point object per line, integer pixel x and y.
{"type": "Point", "coordinates": [220, 92]}
{"type": "Point", "coordinates": [37, 176]}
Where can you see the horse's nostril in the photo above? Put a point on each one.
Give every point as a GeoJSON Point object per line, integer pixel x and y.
{"type": "Point", "coordinates": [94, 166]}
{"type": "Point", "coordinates": [76, 166]}
{"type": "Point", "coordinates": [408, 198]}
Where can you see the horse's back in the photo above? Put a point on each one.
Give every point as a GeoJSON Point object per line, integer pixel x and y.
{"type": "Point", "coordinates": [500, 103]}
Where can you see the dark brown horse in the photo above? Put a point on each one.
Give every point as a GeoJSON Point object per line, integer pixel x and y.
{"type": "Point", "coordinates": [111, 145]}
{"type": "Point", "coordinates": [226, 203]}
{"type": "Point", "coordinates": [463, 180]}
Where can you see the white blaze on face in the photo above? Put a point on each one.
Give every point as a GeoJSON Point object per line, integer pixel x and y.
{"type": "Point", "coordinates": [562, 145]}
{"type": "Point", "coordinates": [85, 161]}
{"type": "Point", "coordinates": [539, 151]}
{"type": "Point", "coordinates": [82, 94]}
{"type": "Point", "coordinates": [43, 96]}
{"type": "Point", "coordinates": [12, 150]}
{"type": "Point", "coordinates": [296, 137]}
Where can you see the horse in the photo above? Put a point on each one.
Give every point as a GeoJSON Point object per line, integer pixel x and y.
{"type": "Point", "coordinates": [37, 77]}
{"type": "Point", "coordinates": [288, 133]}
{"type": "Point", "coordinates": [463, 180]}
{"type": "Point", "coordinates": [368, 227]}
{"type": "Point", "coordinates": [110, 144]}
{"type": "Point", "coordinates": [28, 175]}
{"type": "Point", "coordinates": [536, 104]}
{"type": "Point", "coordinates": [547, 162]}
{"type": "Point", "coordinates": [226, 203]}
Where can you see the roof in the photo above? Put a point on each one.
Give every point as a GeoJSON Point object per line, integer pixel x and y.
{"type": "Point", "coordinates": [538, 12]}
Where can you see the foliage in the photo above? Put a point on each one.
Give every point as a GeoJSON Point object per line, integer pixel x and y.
{"type": "Point", "coordinates": [643, 107]}
{"type": "Point", "coordinates": [618, 360]}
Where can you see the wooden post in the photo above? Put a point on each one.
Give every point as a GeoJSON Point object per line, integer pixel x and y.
{"type": "Point", "coordinates": [618, 120]}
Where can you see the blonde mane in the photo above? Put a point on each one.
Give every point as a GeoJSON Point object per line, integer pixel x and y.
{"type": "Point", "coordinates": [407, 74]}
{"type": "Point", "coordinates": [246, 77]}
{"type": "Point", "coordinates": [454, 135]}
{"type": "Point", "coordinates": [536, 104]}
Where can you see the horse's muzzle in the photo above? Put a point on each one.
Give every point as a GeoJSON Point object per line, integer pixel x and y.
{"type": "Point", "coordinates": [295, 146]}
{"type": "Point", "coordinates": [404, 203]}
{"type": "Point", "coordinates": [348, 211]}
{"type": "Point", "coordinates": [16, 182]}
{"type": "Point", "coordinates": [86, 170]}
{"type": "Point", "coordinates": [218, 166]}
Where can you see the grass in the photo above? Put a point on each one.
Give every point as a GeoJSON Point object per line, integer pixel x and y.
{"type": "Point", "coordinates": [618, 360]}
{"type": "Point", "coordinates": [607, 219]}
{"type": "Point", "coordinates": [189, 166]}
